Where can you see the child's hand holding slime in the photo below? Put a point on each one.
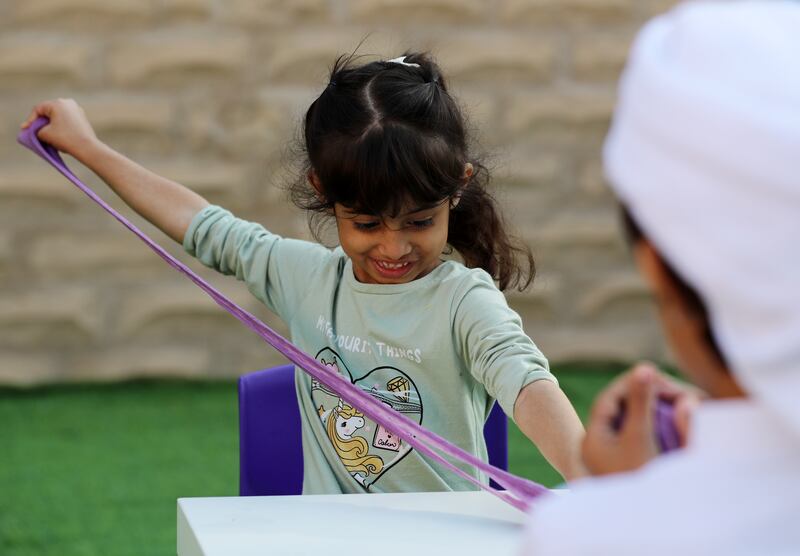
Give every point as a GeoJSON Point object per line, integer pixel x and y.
{"type": "Point", "coordinates": [638, 416]}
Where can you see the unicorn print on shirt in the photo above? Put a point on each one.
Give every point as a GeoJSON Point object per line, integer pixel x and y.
{"type": "Point", "coordinates": [366, 449]}
{"type": "Point", "coordinates": [340, 424]}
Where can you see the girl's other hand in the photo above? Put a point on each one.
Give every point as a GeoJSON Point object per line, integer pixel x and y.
{"type": "Point", "coordinates": [610, 448]}
{"type": "Point", "coordinates": [69, 130]}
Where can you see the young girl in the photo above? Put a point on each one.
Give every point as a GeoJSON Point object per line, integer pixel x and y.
{"type": "Point", "coordinates": [388, 160]}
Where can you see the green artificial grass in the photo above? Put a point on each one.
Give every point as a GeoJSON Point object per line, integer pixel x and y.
{"type": "Point", "coordinates": [96, 469]}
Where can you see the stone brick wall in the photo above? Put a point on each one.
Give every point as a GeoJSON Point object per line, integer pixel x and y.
{"type": "Point", "coordinates": [210, 93]}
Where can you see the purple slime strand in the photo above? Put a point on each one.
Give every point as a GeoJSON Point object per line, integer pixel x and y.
{"type": "Point", "coordinates": [666, 433]}
{"type": "Point", "coordinates": [520, 491]}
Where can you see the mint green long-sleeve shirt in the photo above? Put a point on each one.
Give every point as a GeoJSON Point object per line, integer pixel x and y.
{"type": "Point", "coordinates": [439, 349]}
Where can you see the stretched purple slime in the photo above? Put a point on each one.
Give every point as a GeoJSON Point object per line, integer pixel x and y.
{"type": "Point", "coordinates": [520, 492]}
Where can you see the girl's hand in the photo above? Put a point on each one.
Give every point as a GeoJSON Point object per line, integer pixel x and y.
{"type": "Point", "coordinates": [608, 449]}
{"type": "Point", "coordinates": [69, 130]}
{"type": "Point", "coordinates": [164, 203]}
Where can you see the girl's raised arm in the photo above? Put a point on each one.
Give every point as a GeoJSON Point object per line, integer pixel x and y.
{"type": "Point", "coordinates": [164, 203]}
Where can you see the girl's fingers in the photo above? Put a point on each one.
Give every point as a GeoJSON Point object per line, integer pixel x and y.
{"type": "Point", "coordinates": [30, 119]}
{"type": "Point", "coordinates": [41, 109]}
{"type": "Point", "coordinates": [67, 124]}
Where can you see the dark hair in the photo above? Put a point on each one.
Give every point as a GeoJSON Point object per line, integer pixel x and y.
{"type": "Point", "coordinates": [695, 302]}
{"type": "Point", "coordinates": [384, 134]}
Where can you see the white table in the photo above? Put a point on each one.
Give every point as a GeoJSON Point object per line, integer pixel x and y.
{"type": "Point", "coordinates": [411, 524]}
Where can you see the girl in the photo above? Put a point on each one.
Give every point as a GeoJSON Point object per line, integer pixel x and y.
{"type": "Point", "coordinates": [435, 339]}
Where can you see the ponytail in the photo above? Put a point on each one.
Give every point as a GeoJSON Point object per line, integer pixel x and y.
{"type": "Point", "coordinates": [477, 231]}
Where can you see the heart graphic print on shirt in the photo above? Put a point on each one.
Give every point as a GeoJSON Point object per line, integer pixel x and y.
{"type": "Point", "coordinates": [366, 449]}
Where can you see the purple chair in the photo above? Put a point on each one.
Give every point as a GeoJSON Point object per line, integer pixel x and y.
{"type": "Point", "coordinates": [269, 423]}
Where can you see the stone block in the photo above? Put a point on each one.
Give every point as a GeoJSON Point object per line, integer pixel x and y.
{"type": "Point", "coordinates": [42, 11]}
{"type": "Point", "coordinates": [207, 177]}
{"type": "Point", "coordinates": [305, 57]}
{"type": "Point", "coordinates": [534, 311]}
{"type": "Point", "coordinates": [611, 290]}
{"type": "Point", "coordinates": [6, 18]}
{"type": "Point", "coordinates": [257, 356]}
{"type": "Point", "coordinates": [539, 300]}
{"type": "Point", "coordinates": [481, 109]}
{"type": "Point", "coordinates": [6, 248]}
{"type": "Point", "coordinates": [187, 8]}
{"type": "Point", "coordinates": [264, 124]}
{"type": "Point", "coordinates": [526, 112]}
{"type": "Point", "coordinates": [202, 130]}
{"type": "Point", "coordinates": [141, 307]}
{"type": "Point", "coordinates": [35, 180]}
{"type": "Point", "coordinates": [142, 114]}
{"type": "Point", "coordinates": [592, 179]}
{"type": "Point", "coordinates": [419, 12]}
{"type": "Point", "coordinates": [527, 166]}
{"type": "Point", "coordinates": [177, 56]}
{"type": "Point", "coordinates": [33, 315]}
{"type": "Point", "coordinates": [528, 208]}
{"type": "Point", "coordinates": [653, 8]}
{"type": "Point", "coordinates": [500, 58]}
{"type": "Point", "coordinates": [68, 253]}
{"type": "Point", "coordinates": [118, 362]}
{"type": "Point", "coordinates": [624, 344]}
{"type": "Point", "coordinates": [526, 12]}
{"type": "Point", "coordinates": [600, 57]}
{"type": "Point", "coordinates": [27, 59]}
{"type": "Point", "coordinates": [28, 369]}
{"type": "Point", "coordinates": [593, 230]}
{"type": "Point", "coordinates": [275, 13]}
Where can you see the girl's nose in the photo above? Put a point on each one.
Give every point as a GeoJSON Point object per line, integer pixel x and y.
{"type": "Point", "coordinates": [395, 245]}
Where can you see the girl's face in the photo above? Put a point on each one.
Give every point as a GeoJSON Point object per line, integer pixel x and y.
{"type": "Point", "coordinates": [393, 250]}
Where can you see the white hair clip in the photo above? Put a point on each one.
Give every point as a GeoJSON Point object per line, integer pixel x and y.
{"type": "Point", "coordinates": [402, 61]}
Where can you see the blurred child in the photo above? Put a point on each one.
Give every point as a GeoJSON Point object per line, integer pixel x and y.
{"type": "Point", "coordinates": [703, 155]}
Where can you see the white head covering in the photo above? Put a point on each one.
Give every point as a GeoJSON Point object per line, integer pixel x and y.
{"type": "Point", "coordinates": [704, 151]}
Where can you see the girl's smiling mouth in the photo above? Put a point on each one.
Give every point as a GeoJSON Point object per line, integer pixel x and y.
{"type": "Point", "coordinates": [390, 269]}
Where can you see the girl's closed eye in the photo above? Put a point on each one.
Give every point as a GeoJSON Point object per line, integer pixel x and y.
{"type": "Point", "coordinates": [415, 224]}
{"type": "Point", "coordinates": [423, 223]}
{"type": "Point", "coordinates": [366, 226]}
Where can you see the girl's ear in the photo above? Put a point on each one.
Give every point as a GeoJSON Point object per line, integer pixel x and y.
{"type": "Point", "coordinates": [313, 179]}
{"type": "Point", "coordinates": [468, 171]}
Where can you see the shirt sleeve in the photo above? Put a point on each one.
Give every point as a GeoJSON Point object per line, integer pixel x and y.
{"type": "Point", "coordinates": [490, 337]}
{"type": "Point", "coordinates": [275, 269]}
